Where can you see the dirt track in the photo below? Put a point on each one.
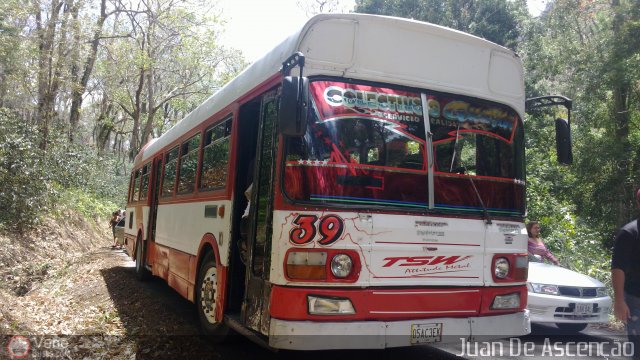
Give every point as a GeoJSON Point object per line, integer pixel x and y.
{"type": "Point", "coordinates": [95, 308]}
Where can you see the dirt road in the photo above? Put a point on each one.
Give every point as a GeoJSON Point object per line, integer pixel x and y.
{"type": "Point", "coordinates": [100, 310]}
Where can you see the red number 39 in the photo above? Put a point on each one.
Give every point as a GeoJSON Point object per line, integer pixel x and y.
{"type": "Point", "coordinates": [330, 227]}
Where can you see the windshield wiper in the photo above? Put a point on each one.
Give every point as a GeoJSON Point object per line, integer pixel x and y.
{"type": "Point", "coordinates": [485, 212]}
{"type": "Point", "coordinates": [455, 148]}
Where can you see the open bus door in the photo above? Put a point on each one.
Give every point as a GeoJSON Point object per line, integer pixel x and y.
{"type": "Point", "coordinates": [156, 173]}
{"type": "Point", "coordinates": [255, 309]}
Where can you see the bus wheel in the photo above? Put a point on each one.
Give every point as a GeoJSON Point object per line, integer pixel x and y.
{"type": "Point", "coordinates": [141, 272]}
{"type": "Point", "coordinates": [207, 299]}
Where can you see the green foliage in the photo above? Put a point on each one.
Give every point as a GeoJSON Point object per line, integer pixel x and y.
{"type": "Point", "coordinates": [88, 204]}
{"type": "Point", "coordinates": [24, 192]}
{"type": "Point", "coordinates": [587, 50]}
{"type": "Point", "coordinates": [495, 20]}
{"type": "Point", "coordinates": [74, 166]}
{"type": "Point", "coordinates": [34, 184]}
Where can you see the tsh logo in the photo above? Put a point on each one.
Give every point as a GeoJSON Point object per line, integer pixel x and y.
{"type": "Point", "coordinates": [423, 260]}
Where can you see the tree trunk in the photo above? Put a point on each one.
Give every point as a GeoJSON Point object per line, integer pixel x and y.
{"type": "Point", "coordinates": [46, 35]}
{"type": "Point", "coordinates": [80, 84]}
{"type": "Point", "coordinates": [621, 116]}
{"type": "Point", "coordinates": [134, 145]}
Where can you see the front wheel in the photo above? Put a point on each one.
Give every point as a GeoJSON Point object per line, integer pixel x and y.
{"type": "Point", "coordinates": [572, 327]}
{"type": "Point", "coordinates": [142, 273]}
{"type": "Point", "coordinates": [207, 297]}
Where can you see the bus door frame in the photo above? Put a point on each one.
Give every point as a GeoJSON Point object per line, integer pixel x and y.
{"type": "Point", "coordinates": [255, 309]}
{"type": "Point", "coordinates": [154, 184]}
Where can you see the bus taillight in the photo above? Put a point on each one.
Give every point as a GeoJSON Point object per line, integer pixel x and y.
{"type": "Point", "coordinates": [307, 265]}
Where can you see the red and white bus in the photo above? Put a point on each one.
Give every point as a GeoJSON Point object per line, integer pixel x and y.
{"type": "Point", "coordinates": [386, 158]}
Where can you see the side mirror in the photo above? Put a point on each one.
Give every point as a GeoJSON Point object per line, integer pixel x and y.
{"type": "Point", "coordinates": [294, 99]}
{"type": "Point", "coordinates": [563, 142]}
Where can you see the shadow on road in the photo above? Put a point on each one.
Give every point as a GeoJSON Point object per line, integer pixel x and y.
{"type": "Point", "coordinates": [159, 323]}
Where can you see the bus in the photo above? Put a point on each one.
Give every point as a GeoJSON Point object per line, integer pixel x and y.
{"type": "Point", "coordinates": [362, 185]}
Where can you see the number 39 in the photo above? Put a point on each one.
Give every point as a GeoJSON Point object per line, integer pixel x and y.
{"type": "Point", "coordinates": [330, 228]}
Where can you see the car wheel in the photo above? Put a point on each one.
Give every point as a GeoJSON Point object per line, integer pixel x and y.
{"type": "Point", "coordinates": [571, 327]}
{"type": "Point", "coordinates": [141, 271]}
{"type": "Point", "coordinates": [207, 300]}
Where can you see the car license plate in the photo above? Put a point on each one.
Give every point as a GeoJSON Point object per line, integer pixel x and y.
{"type": "Point", "coordinates": [426, 333]}
{"type": "Point", "coordinates": [583, 309]}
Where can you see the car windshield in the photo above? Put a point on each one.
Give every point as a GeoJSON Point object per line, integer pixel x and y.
{"type": "Point", "coordinates": [365, 145]}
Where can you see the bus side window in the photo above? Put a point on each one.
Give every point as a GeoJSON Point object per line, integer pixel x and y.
{"type": "Point", "coordinates": [131, 185]}
{"type": "Point", "coordinates": [188, 165]}
{"type": "Point", "coordinates": [144, 188]}
{"type": "Point", "coordinates": [136, 185]}
{"type": "Point", "coordinates": [169, 175]}
{"type": "Point", "coordinates": [215, 157]}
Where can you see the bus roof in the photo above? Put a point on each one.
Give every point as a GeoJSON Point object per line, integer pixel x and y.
{"type": "Point", "coordinates": [381, 49]}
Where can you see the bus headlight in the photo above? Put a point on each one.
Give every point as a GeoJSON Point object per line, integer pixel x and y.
{"type": "Point", "coordinates": [341, 265]}
{"type": "Point", "coordinates": [501, 267]}
{"type": "Point", "coordinates": [509, 301]}
{"type": "Point", "coordinates": [329, 306]}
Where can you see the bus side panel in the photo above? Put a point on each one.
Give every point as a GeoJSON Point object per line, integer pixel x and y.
{"type": "Point", "coordinates": [161, 261]}
{"type": "Point", "coordinates": [181, 226]}
{"type": "Point", "coordinates": [179, 262]}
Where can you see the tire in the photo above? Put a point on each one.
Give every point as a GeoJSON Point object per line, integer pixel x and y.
{"type": "Point", "coordinates": [141, 271]}
{"type": "Point", "coordinates": [571, 327]}
{"type": "Point", "coordinates": [207, 299]}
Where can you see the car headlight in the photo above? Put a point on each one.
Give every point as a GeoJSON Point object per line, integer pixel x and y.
{"type": "Point", "coordinates": [543, 288]}
{"type": "Point", "coordinates": [602, 292]}
{"type": "Point", "coordinates": [341, 265]}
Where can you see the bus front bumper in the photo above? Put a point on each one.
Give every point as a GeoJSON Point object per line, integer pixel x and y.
{"type": "Point", "coordinates": [310, 335]}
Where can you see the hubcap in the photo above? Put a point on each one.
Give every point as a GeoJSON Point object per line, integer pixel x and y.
{"type": "Point", "coordinates": [208, 295]}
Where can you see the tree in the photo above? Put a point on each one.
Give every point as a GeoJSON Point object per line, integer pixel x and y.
{"type": "Point", "coordinates": [588, 50]}
{"type": "Point", "coordinates": [494, 20]}
{"type": "Point", "coordinates": [313, 7]}
{"type": "Point", "coordinates": [80, 80]}
{"type": "Point", "coordinates": [169, 62]}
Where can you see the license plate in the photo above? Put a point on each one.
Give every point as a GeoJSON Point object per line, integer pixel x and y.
{"type": "Point", "coordinates": [426, 333]}
{"type": "Point", "coordinates": [583, 309]}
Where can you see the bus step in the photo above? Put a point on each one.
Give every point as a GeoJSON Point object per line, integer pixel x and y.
{"type": "Point", "coordinates": [234, 322]}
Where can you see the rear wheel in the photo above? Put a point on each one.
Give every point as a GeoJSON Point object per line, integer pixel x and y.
{"type": "Point", "coordinates": [572, 327]}
{"type": "Point", "coordinates": [141, 271]}
{"type": "Point", "coordinates": [207, 297]}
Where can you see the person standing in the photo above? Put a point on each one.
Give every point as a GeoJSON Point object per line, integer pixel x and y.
{"type": "Point", "coordinates": [625, 278]}
{"type": "Point", "coordinates": [536, 246]}
{"type": "Point", "coordinates": [115, 217]}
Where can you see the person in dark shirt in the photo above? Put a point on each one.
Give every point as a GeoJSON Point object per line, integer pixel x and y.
{"type": "Point", "coordinates": [625, 277]}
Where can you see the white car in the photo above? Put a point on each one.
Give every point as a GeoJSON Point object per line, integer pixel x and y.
{"type": "Point", "coordinates": [565, 297]}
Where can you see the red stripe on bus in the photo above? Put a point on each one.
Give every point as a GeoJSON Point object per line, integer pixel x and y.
{"type": "Point", "coordinates": [423, 243]}
{"type": "Point", "coordinates": [290, 303]}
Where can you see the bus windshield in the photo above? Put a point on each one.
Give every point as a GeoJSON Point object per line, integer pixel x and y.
{"type": "Point", "coordinates": [365, 146]}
